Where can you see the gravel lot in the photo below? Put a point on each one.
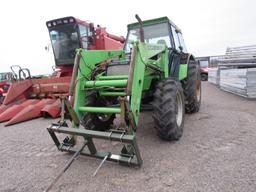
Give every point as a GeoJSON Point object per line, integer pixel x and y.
{"type": "Point", "coordinates": [216, 153]}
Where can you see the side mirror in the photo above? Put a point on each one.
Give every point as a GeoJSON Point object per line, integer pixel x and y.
{"type": "Point", "coordinates": [48, 47]}
{"type": "Point", "coordinates": [91, 27]}
{"type": "Point", "coordinates": [181, 48]}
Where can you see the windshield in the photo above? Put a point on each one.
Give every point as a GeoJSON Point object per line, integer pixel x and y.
{"type": "Point", "coordinates": [204, 63]}
{"type": "Point", "coordinates": [64, 41]}
{"type": "Point", "coordinates": [155, 34]}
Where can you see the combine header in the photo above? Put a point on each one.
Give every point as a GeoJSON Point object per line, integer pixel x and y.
{"type": "Point", "coordinates": [154, 67]}
{"type": "Point", "coordinates": [30, 97]}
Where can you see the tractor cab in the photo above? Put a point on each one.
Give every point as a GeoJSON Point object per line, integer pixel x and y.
{"type": "Point", "coordinates": [156, 31]}
{"type": "Point", "coordinates": [68, 34]}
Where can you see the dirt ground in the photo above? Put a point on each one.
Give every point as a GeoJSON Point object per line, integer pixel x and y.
{"type": "Point", "coordinates": [216, 153]}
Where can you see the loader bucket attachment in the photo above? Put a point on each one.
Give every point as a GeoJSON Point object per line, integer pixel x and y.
{"type": "Point", "coordinates": [126, 157]}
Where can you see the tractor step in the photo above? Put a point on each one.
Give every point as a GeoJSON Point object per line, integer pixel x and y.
{"type": "Point", "coordinates": [127, 157]}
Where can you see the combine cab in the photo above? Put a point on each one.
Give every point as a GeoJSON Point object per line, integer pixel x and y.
{"type": "Point", "coordinates": [31, 97]}
{"type": "Point", "coordinates": [69, 33]}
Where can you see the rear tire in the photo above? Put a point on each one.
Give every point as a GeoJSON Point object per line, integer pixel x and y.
{"type": "Point", "coordinates": [96, 121]}
{"type": "Point", "coordinates": [169, 110]}
{"type": "Point", "coordinates": [192, 88]}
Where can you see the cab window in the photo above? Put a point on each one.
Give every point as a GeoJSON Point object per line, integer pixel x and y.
{"type": "Point", "coordinates": [176, 38]}
{"type": "Point", "coordinates": [84, 36]}
{"type": "Point", "coordinates": [182, 43]}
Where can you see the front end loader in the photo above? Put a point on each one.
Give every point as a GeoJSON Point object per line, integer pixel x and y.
{"type": "Point", "coordinates": [153, 69]}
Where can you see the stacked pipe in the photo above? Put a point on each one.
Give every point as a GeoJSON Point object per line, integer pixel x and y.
{"type": "Point", "coordinates": [239, 57]}
{"type": "Point", "coordinates": [239, 81]}
{"type": "Point", "coordinates": [213, 76]}
{"type": "Point", "coordinates": [238, 71]}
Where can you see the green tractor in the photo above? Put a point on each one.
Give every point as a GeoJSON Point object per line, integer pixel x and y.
{"type": "Point", "coordinates": [153, 69]}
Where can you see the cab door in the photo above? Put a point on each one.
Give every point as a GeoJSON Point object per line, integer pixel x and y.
{"type": "Point", "coordinates": [175, 52]}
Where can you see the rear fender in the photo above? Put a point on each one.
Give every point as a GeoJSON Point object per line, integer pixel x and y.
{"type": "Point", "coordinates": [184, 62]}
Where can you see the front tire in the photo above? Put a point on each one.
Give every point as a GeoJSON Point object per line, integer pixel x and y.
{"type": "Point", "coordinates": [169, 110]}
{"type": "Point", "coordinates": [97, 121]}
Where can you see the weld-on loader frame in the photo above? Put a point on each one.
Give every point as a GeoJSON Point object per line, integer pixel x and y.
{"type": "Point", "coordinates": [147, 64]}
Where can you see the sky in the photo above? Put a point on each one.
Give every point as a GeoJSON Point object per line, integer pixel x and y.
{"type": "Point", "coordinates": [208, 26]}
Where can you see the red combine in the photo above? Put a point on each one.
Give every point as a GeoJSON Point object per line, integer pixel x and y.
{"type": "Point", "coordinates": [30, 97]}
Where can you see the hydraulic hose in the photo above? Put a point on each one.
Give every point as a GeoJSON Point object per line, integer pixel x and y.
{"type": "Point", "coordinates": [74, 73]}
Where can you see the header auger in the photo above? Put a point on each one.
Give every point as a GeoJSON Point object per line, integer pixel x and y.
{"type": "Point", "coordinates": [154, 68]}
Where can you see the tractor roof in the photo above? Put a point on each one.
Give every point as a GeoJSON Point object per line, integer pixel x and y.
{"type": "Point", "coordinates": [152, 22]}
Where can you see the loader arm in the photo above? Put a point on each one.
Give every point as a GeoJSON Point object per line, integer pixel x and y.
{"type": "Point", "coordinates": [88, 61]}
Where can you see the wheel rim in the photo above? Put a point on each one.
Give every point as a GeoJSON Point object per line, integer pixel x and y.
{"type": "Point", "coordinates": [103, 117]}
{"type": "Point", "coordinates": [179, 112]}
